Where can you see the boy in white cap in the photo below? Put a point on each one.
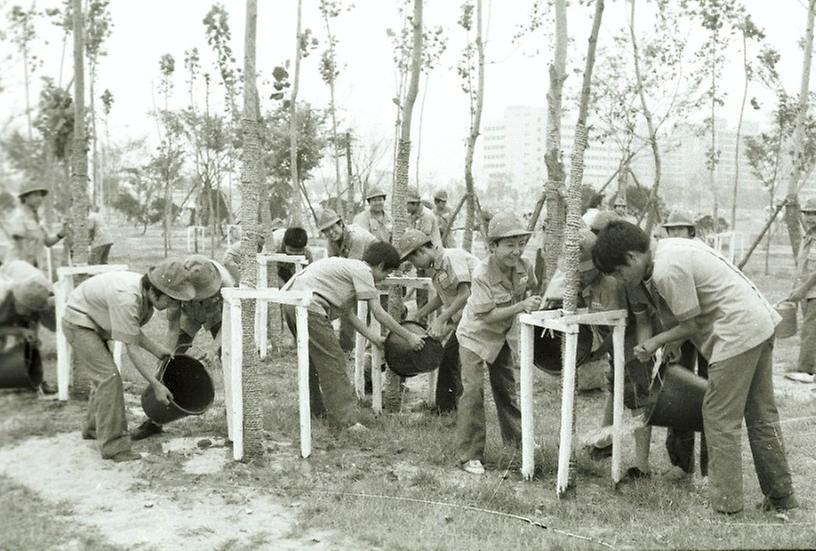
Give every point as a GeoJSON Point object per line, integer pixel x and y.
{"type": "Point", "coordinates": [488, 339]}
{"type": "Point", "coordinates": [115, 306]}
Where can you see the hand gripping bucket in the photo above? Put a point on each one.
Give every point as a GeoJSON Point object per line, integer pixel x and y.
{"type": "Point", "coordinates": [676, 399]}
{"type": "Point", "coordinates": [548, 347]}
{"type": "Point", "coordinates": [192, 388]}
{"type": "Point", "coordinates": [786, 327]}
{"type": "Point", "coordinates": [407, 363]}
{"type": "Point", "coordinates": [20, 364]}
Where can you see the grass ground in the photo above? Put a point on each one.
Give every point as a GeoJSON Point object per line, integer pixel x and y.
{"type": "Point", "coordinates": [397, 486]}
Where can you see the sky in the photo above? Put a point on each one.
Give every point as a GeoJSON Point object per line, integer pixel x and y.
{"type": "Point", "coordinates": [516, 70]}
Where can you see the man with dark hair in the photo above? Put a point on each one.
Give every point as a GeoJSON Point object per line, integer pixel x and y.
{"type": "Point", "coordinates": [294, 242]}
{"type": "Point", "coordinates": [710, 302]}
{"type": "Point", "coordinates": [337, 284]}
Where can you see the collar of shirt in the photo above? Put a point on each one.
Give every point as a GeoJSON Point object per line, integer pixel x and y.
{"type": "Point", "coordinates": [496, 275]}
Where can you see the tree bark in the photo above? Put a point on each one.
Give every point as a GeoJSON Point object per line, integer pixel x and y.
{"type": "Point", "coordinates": [712, 170]}
{"type": "Point", "coordinates": [798, 144]}
{"type": "Point", "coordinates": [739, 133]}
{"type": "Point", "coordinates": [475, 127]}
{"type": "Point", "coordinates": [296, 214]}
{"type": "Point", "coordinates": [79, 156]}
{"type": "Point", "coordinates": [333, 111]}
{"type": "Point", "coordinates": [250, 184]}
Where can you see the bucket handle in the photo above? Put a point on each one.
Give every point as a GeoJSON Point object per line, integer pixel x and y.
{"type": "Point", "coordinates": [164, 360]}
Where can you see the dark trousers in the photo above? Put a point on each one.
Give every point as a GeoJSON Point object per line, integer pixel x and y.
{"type": "Point", "coordinates": [680, 443]}
{"type": "Point", "coordinates": [807, 334]}
{"type": "Point", "coordinates": [99, 255]}
{"type": "Point", "coordinates": [449, 378]}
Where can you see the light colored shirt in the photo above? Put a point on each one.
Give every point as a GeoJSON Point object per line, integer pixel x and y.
{"type": "Point", "coordinates": [490, 288]}
{"type": "Point", "coordinates": [450, 269]}
{"type": "Point", "coordinates": [353, 243]}
{"type": "Point", "coordinates": [28, 236]}
{"type": "Point", "coordinates": [694, 281]}
{"type": "Point", "coordinates": [426, 222]}
{"type": "Point", "coordinates": [98, 230]}
{"type": "Point", "coordinates": [337, 283]}
{"type": "Point", "coordinates": [806, 263]}
{"type": "Point", "coordinates": [111, 304]}
{"type": "Point", "coordinates": [379, 227]}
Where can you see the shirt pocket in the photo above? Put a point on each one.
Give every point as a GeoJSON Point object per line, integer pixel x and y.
{"type": "Point", "coordinates": [502, 297]}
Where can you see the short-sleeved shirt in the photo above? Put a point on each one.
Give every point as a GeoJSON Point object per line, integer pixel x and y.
{"type": "Point", "coordinates": [426, 222]}
{"type": "Point", "coordinates": [490, 288]}
{"type": "Point", "coordinates": [98, 229]}
{"type": "Point", "coordinates": [443, 220]}
{"type": "Point", "coordinates": [112, 304]}
{"type": "Point", "coordinates": [207, 312]}
{"type": "Point", "coordinates": [694, 281]}
{"type": "Point", "coordinates": [378, 227]}
{"type": "Point", "coordinates": [28, 236]}
{"type": "Point", "coordinates": [451, 268]}
{"type": "Point", "coordinates": [337, 283]}
{"type": "Point", "coordinates": [353, 243]}
{"type": "Point", "coordinates": [806, 263]}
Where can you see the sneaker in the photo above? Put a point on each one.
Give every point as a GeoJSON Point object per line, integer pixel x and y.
{"type": "Point", "coordinates": [123, 456]}
{"type": "Point", "coordinates": [778, 505]}
{"type": "Point", "coordinates": [47, 389]}
{"type": "Point", "coordinates": [148, 428]}
{"type": "Point", "coordinates": [675, 474]}
{"type": "Point", "coordinates": [474, 466]}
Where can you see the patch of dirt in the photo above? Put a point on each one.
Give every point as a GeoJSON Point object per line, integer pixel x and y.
{"type": "Point", "coordinates": [65, 468]}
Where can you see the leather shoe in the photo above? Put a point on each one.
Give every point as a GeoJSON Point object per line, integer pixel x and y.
{"type": "Point", "coordinates": [148, 428]}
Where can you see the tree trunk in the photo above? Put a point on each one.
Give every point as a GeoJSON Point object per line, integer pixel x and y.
{"type": "Point", "coordinates": [475, 127]}
{"type": "Point", "coordinates": [296, 214]}
{"type": "Point", "coordinates": [650, 126]}
{"type": "Point", "coordinates": [712, 169]}
{"type": "Point", "coordinates": [97, 198]}
{"type": "Point", "coordinates": [739, 134]}
{"type": "Point", "coordinates": [79, 156]}
{"type": "Point", "coordinates": [797, 149]}
{"type": "Point", "coordinates": [554, 187]}
{"type": "Point", "coordinates": [250, 183]}
{"type": "Point", "coordinates": [574, 222]}
{"type": "Point", "coordinates": [333, 111]}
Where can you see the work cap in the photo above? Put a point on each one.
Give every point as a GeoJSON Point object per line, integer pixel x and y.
{"type": "Point", "coordinates": [505, 224]}
{"type": "Point", "coordinates": [327, 219]}
{"type": "Point", "coordinates": [602, 220]}
{"type": "Point", "coordinates": [620, 201]}
{"type": "Point", "coordinates": [679, 219]}
{"type": "Point", "coordinates": [32, 292]}
{"type": "Point", "coordinates": [375, 192]}
{"type": "Point", "coordinates": [441, 194]}
{"type": "Point", "coordinates": [410, 241]}
{"type": "Point", "coordinates": [412, 196]}
{"type": "Point", "coordinates": [203, 275]}
{"type": "Point", "coordinates": [810, 205]}
{"type": "Point", "coordinates": [31, 187]}
{"type": "Point", "coordinates": [172, 278]}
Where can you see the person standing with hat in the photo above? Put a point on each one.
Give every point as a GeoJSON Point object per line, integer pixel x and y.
{"type": "Point", "coordinates": [621, 208]}
{"type": "Point", "coordinates": [99, 237]}
{"type": "Point", "coordinates": [26, 300]}
{"type": "Point", "coordinates": [375, 220]}
{"type": "Point", "coordinates": [115, 306]}
{"type": "Point", "coordinates": [804, 291]}
{"type": "Point", "coordinates": [185, 318]}
{"type": "Point", "coordinates": [421, 218]}
{"type": "Point", "coordinates": [679, 224]}
{"type": "Point", "coordinates": [29, 235]}
{"type": "Point", "coordinates": [488, 339]}
{"type": "Point", "coordinates": [451, 273]}
{"type": "Point", "coordinates": [443, 217]}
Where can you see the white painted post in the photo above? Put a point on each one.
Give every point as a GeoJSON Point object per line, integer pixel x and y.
{"type": "Point", "coordinates": [62, 289]}
{"type": "Point", "coordinates": [376, 374]}
{"type": "Point", "coordinates": [49, 264]}
{"type": "Point", "coordinates": [236, 381]}
{"type": "Point", "coordinates": [302, 318]}
{"type": "Point", "coordinates": [226, 361]}
{"type": "Point", "coordinates": [527, 418]}
{"type": "Point", "coordinates": [618, 333]}
{"type": "Point", "coordinates": [359, 352]}
{"type": "Point", "coordinates": [261, 309]}
{"type": "Point", "coordinates": [567, 409]}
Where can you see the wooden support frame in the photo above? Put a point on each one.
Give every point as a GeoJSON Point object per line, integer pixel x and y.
{"type": "Point", "coordinates": [232, 360]}
{"type": "Point", "coordinates": [193, 233]}
{"type": "Point", "coordinates": [62, 290]}
{"type": "Point", "coordinates": [360, 343]}
{"type": "Point", "coordinates": [568, 323]}
{"type": "Point", "coordinates": [262, 311]}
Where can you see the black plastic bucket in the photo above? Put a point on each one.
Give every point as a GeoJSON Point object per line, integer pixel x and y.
{"type": "Point", "coordinates": [20, 366]}
{"type": "Point", "coordinates": [192, 388]}
{"type": "Point", "coordinates": [547, 349]}
{"type": "Point", "coordinates": [407, 363]}
{"type": "Point", "coordinates": [676, 399]}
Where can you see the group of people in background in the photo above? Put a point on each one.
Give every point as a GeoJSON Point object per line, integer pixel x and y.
{"type": "Point", "coordinates": [680, 295]}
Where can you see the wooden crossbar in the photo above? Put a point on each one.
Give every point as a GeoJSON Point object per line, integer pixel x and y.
{"type": "Point", "coordinates": [62, 290]}
{"type": "Point", "coordinates": [408, 282]}
{"type": "Point", "coordinates": [262, 310]}
{"type": "Point", "coordinates": [232, 360]}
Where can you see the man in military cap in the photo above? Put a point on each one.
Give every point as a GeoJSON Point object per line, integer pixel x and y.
{"type": "Point", "coordinates": [421, 218]}
{"type": "Point", "coordinates": [375, 220]}
{"type": "Point", "coordinates": [680, 224]}
{"type": "Point", "coordinates": [29, 235]}
{"type": "Point", "coordinates": [115, 306]}
{"type": "Point", "coordinates": [804, 291]}
{"type": "Point", "coordinates": [443, 217]}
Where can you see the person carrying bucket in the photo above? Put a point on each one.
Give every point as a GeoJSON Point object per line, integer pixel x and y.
{"type": "Point", "coordinates": [451, 272]}
{"type": "Point", "coordinates": [337, 284]}
{"type": "Point", "coordinates": [732, 325]}
{"type": "Point", "coordinates": [115, 306]}
{"type": "Point", "coordinates": [26, 300]}
{"type": "Point", "coordinates": [804, 291]}
{"type": "Point", "coordinates": [488, 339]}
{"type": "Point", "coordinates": [185, 318]}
